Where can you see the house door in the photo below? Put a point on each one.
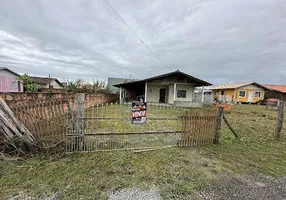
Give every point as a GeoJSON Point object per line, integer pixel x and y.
{"type": "Point", "coordinates": [162, 95]}
{"type": "Point", "coordinates": [250, 96]}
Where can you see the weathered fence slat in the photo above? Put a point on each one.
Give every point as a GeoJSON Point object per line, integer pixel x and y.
{"type": "Point", "coordinates": [280, 118]}
{"type": "Point", "coordinates": [44, 118]}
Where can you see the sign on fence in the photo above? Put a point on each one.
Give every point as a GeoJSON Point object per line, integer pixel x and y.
{"type": "Point", "coordinates": [138, 114]}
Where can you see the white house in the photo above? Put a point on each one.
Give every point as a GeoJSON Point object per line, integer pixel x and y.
{"type": "Point", "coordinates": [175, 88]}
{"type": "Point", "coordinates": [47, 83]}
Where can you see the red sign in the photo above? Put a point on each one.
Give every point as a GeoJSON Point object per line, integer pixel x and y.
{"type": "Point", "coordinates": [139, 111]}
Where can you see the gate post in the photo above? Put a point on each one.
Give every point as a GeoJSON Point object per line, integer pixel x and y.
{"type": "Point", "coordinates": [280, 117]}
{"type": "Point", "coordinates": [79, 121]}
{"type": "Point", "coordinates": [219, 114]}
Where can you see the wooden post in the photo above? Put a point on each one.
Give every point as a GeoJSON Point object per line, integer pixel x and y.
{"type": "Point", "coordinates": [280, 118]}
{"type": "Point", "coordinates": [79, 113]}
{"type": "Point", "coordinates": [146, 91]}
{"type": "Point", "coordinates": [79, 122]}
{"type": "Point", "coordinates": [230, 127]}
{"type": "Point", "coordinates": [219, 115]}
{"type": "Point", "coordinates": [175, 92]}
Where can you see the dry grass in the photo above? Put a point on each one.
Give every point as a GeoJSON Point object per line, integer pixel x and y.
{"type": "Point", "coordinates": [177, 172]}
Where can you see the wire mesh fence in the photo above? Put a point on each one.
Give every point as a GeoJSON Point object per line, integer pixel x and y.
{"type": "Point", "coordinates": [109, 127]}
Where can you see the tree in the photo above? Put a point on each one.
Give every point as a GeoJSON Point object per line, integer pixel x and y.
{"type": "Point", "coordinates": [29, 84]}
{"type": "Point", "coordinates": [84, 87]}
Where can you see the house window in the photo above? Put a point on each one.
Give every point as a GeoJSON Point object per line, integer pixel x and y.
{"type": "Point", "coordinates": [242, 93]}
{"type": "Point", "coordinates": [257, 94]}
{"type": "Point", "coordinates": [222, 92]}
{"type": "Point", "coordinates": [14, 84]}
{"type": "Point", "coordinates": [181, 93]}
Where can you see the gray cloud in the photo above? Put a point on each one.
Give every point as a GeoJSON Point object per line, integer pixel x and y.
{"type": "Point", "coordinates": [220, 41]}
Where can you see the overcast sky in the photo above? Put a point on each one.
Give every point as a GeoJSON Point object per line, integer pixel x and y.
{"type": "Point", "coordinates": [220, 41]}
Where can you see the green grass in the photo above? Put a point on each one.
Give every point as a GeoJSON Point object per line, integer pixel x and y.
{"type": "Point", "coordinates": [177, 172]}
{"type": "Point", "coordinates": [123, 122]}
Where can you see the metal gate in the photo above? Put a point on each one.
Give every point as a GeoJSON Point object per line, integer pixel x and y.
{"type": "Point", "coordinates": [108, 127]}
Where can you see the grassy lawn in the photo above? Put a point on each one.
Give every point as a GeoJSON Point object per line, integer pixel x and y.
{"type": "Point", "coordinates": [122, 121]}
{"type": "Point", "coordinates": [177, 172]}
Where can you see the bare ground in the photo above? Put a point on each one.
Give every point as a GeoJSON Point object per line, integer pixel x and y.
{"type": "Point", "coordinates": [228, 187]}
{"type": "Point", "coordinates": [239, 188]}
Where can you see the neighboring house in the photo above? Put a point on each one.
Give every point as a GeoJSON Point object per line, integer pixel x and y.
{"type": "Point", "coordinates": [9, 81]}
{"type": "Point", "coordinates": [249, 92]}
{"type": "Point", "coordinates": [48, 83]}
{"type": "Point", "coordinates": [173, 88]}
{"type": "Point", "coordinates": [275, 91]}
{"type": "Point", "coordinates": [114, 81]}
{"type": "Point", "coordinates": [206, 90]}
{"type": "Point", "coordinates": [204, 94]}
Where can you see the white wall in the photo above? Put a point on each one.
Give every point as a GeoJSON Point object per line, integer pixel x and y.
{"type": "Point", "coordinates": [251, 86]}
{"type": "Point", "coordinates": [153, 92]}
{"type": "Point", "coordinates": [55, 85]}
{"type": "Point", "coordinates": [189, 91]}
{"type": "Point", "coordinates": [6, 73]}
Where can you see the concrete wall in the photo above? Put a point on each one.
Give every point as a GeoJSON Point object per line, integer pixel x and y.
{"type": "Point", "coordinates": [153, 92]}
{"type": "Point", "coordinates": [171, 94]}
{"type": "Point", "coordinates": [189, 92]}
{"type": "Point", "coordinates": [208, 98]}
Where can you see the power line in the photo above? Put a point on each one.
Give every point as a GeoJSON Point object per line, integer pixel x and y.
{"type": "Point", "coordinates": [137, 35]}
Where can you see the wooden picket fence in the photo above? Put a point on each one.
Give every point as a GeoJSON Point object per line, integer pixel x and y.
{"type": "Point", "coordinates": [199, 127]}
{"type": "Point", "coordinates": [46, 119]}
{"type": "Point", "coordinates": [108, 126]}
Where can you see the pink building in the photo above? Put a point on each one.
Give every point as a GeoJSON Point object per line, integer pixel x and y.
{"type": "Point", "coordinates": [9, 81]}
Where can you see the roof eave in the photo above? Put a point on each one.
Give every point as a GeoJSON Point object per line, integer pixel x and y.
{"type": "Point", "coordinates": [199, 81]}
{"type": "Point", "coordinates": [5, 68]}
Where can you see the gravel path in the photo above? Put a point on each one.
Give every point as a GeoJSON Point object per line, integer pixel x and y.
{"type": "Point", "coordinates": [228, 188]}
{"type": "Point", "coordinates": [134, 193]}
{"type": "Point", "coordinates": [250, 188]}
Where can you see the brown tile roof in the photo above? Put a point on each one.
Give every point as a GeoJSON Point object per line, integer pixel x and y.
{"type": "Point", "coordinates": [43, 80]}
{"type": "Point", "coordinates": [279, 88]}
{"type": "Point", "coordinates": [232, 86]}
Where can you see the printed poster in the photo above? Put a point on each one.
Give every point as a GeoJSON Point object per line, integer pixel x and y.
{"type": "Point", "coordinates": [138, 114]}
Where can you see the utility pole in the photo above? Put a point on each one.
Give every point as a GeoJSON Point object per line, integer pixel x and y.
{"type": "Point", "coordinates": [49, 81]}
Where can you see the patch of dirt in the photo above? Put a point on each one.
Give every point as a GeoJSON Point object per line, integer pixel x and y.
{"type": "Point", "coordinates": [229, 187]}
{"type": "Point", "coordinates": [134, 193]}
